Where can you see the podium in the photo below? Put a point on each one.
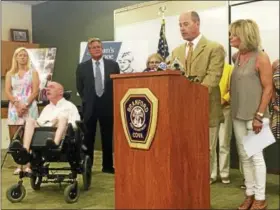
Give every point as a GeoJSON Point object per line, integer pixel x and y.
{"type": "Point", "coordinates": [161, 142]}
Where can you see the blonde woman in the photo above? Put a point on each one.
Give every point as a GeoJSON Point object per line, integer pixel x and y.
{"type": "Point", "coordinates": [153, 61]}
{"type": "Point", "coordinates": [251, 90]}
{"type": "Point", "coordinates": [21, 87]}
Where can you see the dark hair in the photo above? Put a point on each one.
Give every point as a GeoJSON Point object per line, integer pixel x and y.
{"type": "Point", "coordinates": [195, 16]}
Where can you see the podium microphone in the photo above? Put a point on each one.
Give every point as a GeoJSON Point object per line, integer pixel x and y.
{"type": "Point", "coordinates": [176, 65]}
{"type": "Point", "coordinates": [193, 78]}
{"type": "Point", "coordinates": [162, 66]}
{"type": "Point", "coordinates": [168, 60]}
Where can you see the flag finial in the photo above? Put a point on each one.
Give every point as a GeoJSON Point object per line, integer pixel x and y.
{"type": "Point", "coordinates": [162, 10]}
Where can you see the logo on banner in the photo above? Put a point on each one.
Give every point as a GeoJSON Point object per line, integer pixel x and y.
{"type": "Point", "coordinates": [110, 50]}
{"type": "Point", "coordinates": [139, 109]}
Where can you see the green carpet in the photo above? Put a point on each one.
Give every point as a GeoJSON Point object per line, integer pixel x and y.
{"type": "Point", "coordinates": [101, 194]}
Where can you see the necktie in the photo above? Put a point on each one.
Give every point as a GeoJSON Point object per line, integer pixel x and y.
{"type": "Point", "coordinates": [189, 58]}
{"type": "Point", "coordinates": [98, 80]}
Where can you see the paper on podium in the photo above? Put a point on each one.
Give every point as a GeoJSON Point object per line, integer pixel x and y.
{"type": "Point", "coordinates": [255, 143]}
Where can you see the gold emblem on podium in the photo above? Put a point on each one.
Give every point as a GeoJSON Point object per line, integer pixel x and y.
{"type": "Point", "coordinates": [139, 112]}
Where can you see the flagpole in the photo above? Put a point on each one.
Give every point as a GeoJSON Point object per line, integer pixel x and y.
{"type": "Point", "coordinates": [162, 46]}
{"type": "Point", "coordinates": [162, 10]}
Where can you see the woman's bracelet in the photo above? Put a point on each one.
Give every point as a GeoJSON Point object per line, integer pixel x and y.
{"type": "Point", "coordinates": [256, 118]}
{"type": "Point", "coordinates": [273, 103]}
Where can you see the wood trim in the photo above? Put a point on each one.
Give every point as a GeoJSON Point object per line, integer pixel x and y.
{"type": "Point", "coordinates": [147, 74]}
{"type": "Point", "coordinates": [4, 113]}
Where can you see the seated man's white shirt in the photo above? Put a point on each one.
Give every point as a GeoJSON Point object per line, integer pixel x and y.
{"type": "Point", "coordinates": [63, 108]}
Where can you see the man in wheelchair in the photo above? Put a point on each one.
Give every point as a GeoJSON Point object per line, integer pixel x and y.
{"type": "Point", "coordinates": [42, 144]}
{"type": "Point", "coordinates": [58, 113]}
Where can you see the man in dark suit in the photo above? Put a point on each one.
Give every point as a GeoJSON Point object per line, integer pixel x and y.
{"type": "Point", "coordinates": [96, 91]}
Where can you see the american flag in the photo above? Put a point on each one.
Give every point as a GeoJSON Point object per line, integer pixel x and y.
{"type": "Point", "coordinates": [162, 43]}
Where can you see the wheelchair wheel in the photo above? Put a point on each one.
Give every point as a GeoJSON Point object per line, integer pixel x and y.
{"type": "Point", "coordinates": [35, 182]}
{"type": "Point", "coordinates": [72, 193]}
{"type": "Point", "coordinates": [87, 172]}
{"type": "Point", "coordinates": [16, 193]}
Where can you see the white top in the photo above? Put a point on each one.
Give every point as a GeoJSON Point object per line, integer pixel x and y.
{"type": "Point", "coordinates": [101, 66]}
{"type": "Point", "coordinates": [63, 108]}
{"type": "Point", "coordinates": [195, 42]}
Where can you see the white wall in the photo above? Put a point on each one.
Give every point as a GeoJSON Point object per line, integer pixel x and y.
{"type": "Point", "coordinates": [15, 15]}
{"type": "Point", "coordinates": [149, 10]}
{"type": "Point", "coordinates": [236, 2]}
{"type": "Point", "coordinates": [5, 138]}
{"type": "Point", "coordinates": [266, 15]}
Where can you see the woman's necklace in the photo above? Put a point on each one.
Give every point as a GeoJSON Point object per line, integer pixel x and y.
{"type": "Point", "coordinates": [245, 59]}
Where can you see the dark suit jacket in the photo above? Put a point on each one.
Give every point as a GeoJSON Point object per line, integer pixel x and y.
{"type": "Point", "coordinates": [86, 86]}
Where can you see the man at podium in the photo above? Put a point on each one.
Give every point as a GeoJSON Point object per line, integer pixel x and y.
{"type": "Point", "coordinates": [204, 60]}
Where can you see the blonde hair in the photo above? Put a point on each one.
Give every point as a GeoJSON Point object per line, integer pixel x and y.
{"type": "Point", "coordinates": [14, 68]}
{"type": "Point", "coordinates": [94, 39]}
{"type": "Point", "coordinates": [156, 56]}
{"type": "Point", "coordinates": [248, 32]}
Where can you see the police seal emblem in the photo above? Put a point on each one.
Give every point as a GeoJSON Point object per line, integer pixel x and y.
{"type": "Point", "coordinates": [139, 109]}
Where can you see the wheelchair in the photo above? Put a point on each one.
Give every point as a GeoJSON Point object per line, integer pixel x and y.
{"type": "Point", "coordinates": [71, 150]}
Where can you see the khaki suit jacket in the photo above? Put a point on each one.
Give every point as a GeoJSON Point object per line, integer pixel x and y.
{"type": "Point", "coordinates": [207, 64]}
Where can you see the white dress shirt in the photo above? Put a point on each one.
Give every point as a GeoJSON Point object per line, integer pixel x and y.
{"type": "Point", "coordinates": [63, 108]}
{"type": "Point", "coordinates": [195, 42]}
{"type": "Point", "coordinates": [101, 66]}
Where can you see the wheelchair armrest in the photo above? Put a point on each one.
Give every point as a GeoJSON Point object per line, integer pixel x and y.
{"type": "Point", "coordinates": [74, 135]}
{"type": "Point", "coordinates": [41, 135]}
{"type": "Point", "coordinates": [81, 126]}
{"type": "Point", "coordinates": [70, 132]}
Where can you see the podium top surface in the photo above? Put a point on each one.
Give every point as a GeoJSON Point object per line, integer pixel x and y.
{"type": "Point", "coordinates": [147, 74]}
